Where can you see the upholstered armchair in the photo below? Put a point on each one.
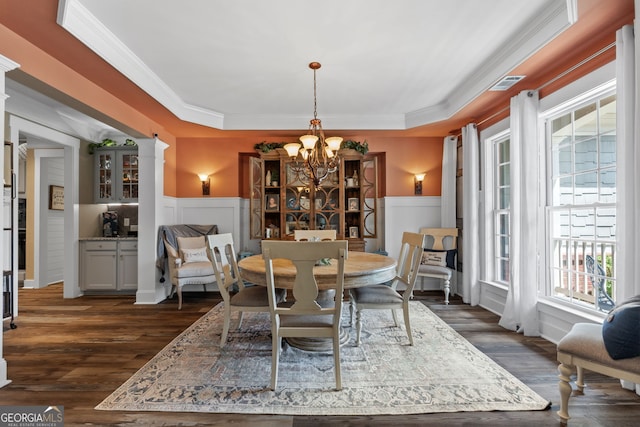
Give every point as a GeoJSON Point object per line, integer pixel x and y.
{"type": "Point", "coordinates": [189, 264]}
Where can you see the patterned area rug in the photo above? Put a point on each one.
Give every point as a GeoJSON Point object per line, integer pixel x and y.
{"type": "Point", "coordinates": [442, 372]}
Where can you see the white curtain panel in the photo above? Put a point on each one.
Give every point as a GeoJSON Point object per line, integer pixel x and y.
{"type": "Point", "coordinates": [520, 312]}
{"type": "Point", "coordinates": [448, 191]}
{"type": "Point", "coordinates": [470, 215]}
{"type": "Point", "coordinates": [628, 165]}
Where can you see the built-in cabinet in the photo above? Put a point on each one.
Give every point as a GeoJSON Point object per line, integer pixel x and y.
{"type": "Point", "coordinates": [109, 265]}
{"type": "Point", "coordinates": [283, 201]}
{"type": "Point", "coordinates": [116, 174]}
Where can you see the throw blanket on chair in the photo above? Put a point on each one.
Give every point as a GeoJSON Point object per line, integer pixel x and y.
{"type": "Point", "coordinates": [171, 233]}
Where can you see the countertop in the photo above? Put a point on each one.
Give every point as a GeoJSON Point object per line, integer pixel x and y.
{"type": "Point", "coordinates": [108, 238]}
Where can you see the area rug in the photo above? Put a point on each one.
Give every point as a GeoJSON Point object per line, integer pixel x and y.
{"type": "Point", "coordinates": [441, 372]}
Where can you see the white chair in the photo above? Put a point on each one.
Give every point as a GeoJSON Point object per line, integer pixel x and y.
{"type": "Point", "coordinates": [225, 267]}
{"type": "Point", "coordinates": [314, 235]}
{"type": "Point", "coordinates": [305, 317]}
{"type": "Point", "coordinates": [387, 297]}
{"type": "Point", "coordinates": [444, 240]}
{"type": "Point", "coordinates": [189, 264]}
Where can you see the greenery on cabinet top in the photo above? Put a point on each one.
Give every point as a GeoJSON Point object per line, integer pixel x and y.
{"type": "Point", "coordinates": [108, 143]}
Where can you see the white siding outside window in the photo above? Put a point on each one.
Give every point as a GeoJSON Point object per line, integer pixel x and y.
{"type": "Point", "coordinates": [581, 140]}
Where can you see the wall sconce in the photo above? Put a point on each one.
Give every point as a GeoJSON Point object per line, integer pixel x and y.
{"type": "Point", "coordinates": [204, 178]}
{"type": "Point", "coordinates": [418, 178]}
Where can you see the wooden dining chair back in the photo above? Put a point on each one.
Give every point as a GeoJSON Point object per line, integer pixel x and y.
{"type": "Point", "coordinates": [440, 259]}
{"type": "Point", "coordinates": [306, 316]}
{"type": "Point", "coordinates": [388, 297]}
{"type": "Point", "coordinates": [314, 235]}
{"type": "Point", "coordinates": [237, 296]}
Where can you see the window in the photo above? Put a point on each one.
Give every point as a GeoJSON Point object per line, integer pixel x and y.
{"type": "Point", "coordinates": [582, 201]}
{"type": "Point", "coordinates": [497, 200]}
{"type": "Point", "coordinates": [501, 207]}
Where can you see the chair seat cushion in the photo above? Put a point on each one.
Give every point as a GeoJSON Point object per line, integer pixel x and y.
{"type": "Point", "coordinates": [255, 296]}
{"type": "Point", "coordinates": [306, 321]}
{"type": "Point", "coordinates": [376, 294]}
{"type": "Point", "coordinates": [621, 330]}
{"type": "Point", "coordinates": [584, 340]}
{"type": "Point", "coordinates": [434, 269]}
{"type": "Point", "coordinates": [194, 269]}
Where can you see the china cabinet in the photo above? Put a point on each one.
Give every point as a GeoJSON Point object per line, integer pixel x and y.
{"type": "Point", "coordinates": [116, 174]}
{"type": "Point", "coordinates": [345, 201]}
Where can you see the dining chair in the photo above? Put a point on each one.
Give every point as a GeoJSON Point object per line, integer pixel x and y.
{"type": "Point", "coordinates": [439, 259]}
{"type": "Point", "coordinates": [305, 316]}
{"type": "Point", "coordinates": [225, 267]}
{"type": "Point", "coordinates": [311, 235]}
{"type": "Point", "coordinates": [387, 297]}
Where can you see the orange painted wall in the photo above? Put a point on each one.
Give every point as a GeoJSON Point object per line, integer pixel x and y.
{"type": "Point", "coordinates": [219, 157]}
{"type": "Point", "coordinates": [406, 157]}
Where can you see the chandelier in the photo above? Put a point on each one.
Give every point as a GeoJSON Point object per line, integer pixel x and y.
{"type": "Point", "coordinates": [318, 154]}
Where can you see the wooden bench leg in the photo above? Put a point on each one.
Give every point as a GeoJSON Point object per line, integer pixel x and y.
{"type": "Point", "coordinates": [580, 379]}
{"type": "Point", "coordinates": [564, 385]}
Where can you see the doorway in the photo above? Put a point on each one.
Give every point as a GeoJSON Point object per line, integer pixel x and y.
{"type": "Point", "coordinates": [50, 144]}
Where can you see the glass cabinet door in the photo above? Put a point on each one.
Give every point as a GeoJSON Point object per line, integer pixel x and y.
{"type": "Point", "coordinates": [129, 184]}
{"type": "Point", "coordinates": [256, 198]}
{"type": "Point", "coordinates": [327, 205]}
{"type": "Point", "coordinates": [105, 168]}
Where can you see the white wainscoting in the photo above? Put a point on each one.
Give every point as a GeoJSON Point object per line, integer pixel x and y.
{"type": "Point", "coordinates": [408, 214]}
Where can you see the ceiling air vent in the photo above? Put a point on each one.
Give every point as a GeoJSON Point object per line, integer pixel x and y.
{"type": "Point", "coordinates": [506, 83]}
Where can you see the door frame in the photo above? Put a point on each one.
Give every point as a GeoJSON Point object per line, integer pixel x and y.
{"type": "Point", "coordinates": [71, 147]}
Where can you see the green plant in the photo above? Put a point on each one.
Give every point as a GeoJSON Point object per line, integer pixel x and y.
{"type": "Point", "coordinates": [105, 143]}
{"type": "Point", "coordinates": [129, 142]}
{"type": "Point", "coordinates": [360, 147]}
{"type": "Point", "coordinates": [265, 147]}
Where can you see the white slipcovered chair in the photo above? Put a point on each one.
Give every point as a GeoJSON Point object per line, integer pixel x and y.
{"type": "Point", "coordinates": [189, 264]}
{"type": "Point", "coordinates": [311, 235]}
{"type": "Point", "coordinates": [440, 244]}
{"type": "Point", "coordinates": [383, 297]}
{"type": "Point", "coordinates": [305, 317]}
{"type": "Point", "coordinates": [225, 267]}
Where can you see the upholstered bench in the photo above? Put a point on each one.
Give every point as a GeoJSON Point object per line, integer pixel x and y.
{"type": "Point", "coordinates": [583, 348]}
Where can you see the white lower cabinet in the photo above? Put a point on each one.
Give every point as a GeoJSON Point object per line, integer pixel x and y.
{"type": "Point", "coordinates": [109, 265]}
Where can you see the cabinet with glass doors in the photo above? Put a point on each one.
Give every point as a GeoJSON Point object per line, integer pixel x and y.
{"type": "Point", "coordinates": [116, 175]}
{"type": "Point", "coordinates": [344, 201]}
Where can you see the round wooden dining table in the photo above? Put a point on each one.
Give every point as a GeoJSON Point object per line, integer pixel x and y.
{"type": "Point", "coordinates": [360, 269]}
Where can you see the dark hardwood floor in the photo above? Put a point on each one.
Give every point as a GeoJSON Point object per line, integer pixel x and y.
{"type": "Point", "coordinates": [75, 352]}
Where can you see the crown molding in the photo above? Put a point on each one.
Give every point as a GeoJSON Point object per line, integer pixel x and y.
{"type": "Point", "coordinates": [555, 17]}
